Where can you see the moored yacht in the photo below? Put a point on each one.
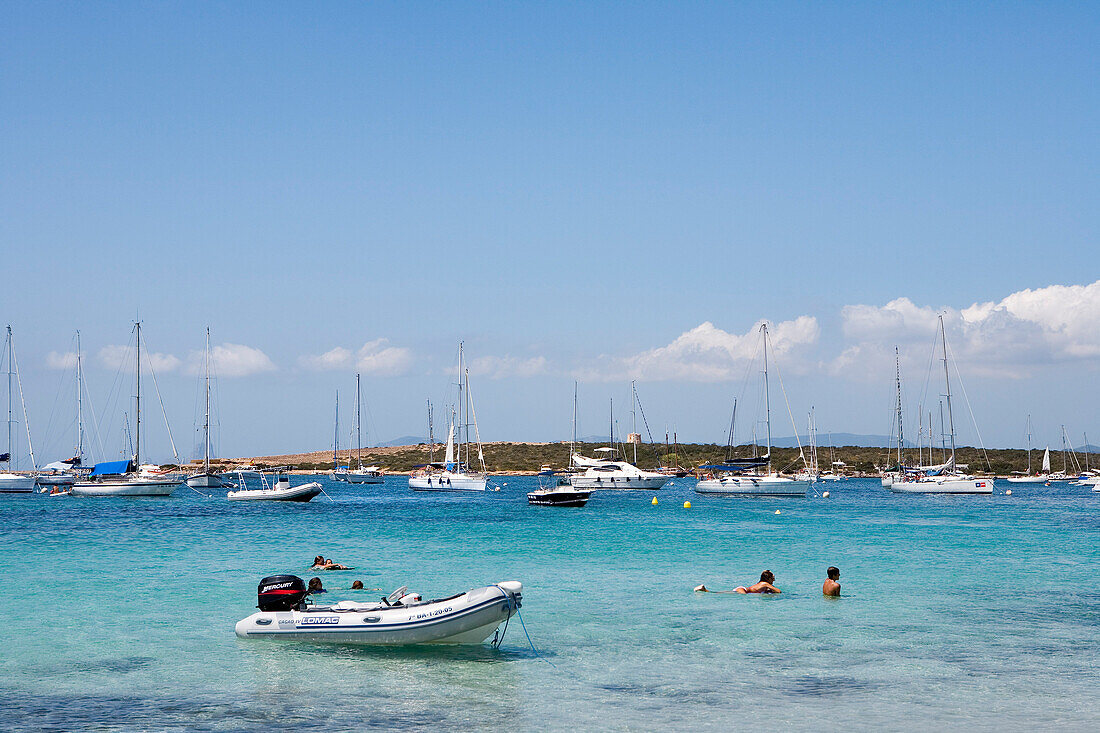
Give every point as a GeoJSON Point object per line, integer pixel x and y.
{"type": "Point", "coordinates": [11, 482]}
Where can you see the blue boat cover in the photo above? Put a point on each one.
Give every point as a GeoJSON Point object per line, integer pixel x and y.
{"type": "Point", "coordinates": [112, 468]}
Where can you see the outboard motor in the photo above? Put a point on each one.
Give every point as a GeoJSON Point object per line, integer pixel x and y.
{"type": "Point", "coordinates": [280, 593]}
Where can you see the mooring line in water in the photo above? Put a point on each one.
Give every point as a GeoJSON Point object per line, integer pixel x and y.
{"type": "Point", "coordinates": [533, 649]}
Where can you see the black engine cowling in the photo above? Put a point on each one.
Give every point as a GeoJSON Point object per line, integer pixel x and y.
{"type": "Point", "coordinates": [280, 593]}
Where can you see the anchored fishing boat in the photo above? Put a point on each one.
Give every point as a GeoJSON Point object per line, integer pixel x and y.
{"type": "Point", "coordinates": [555, 490]}
{"type": "Point", "coordinates": [401, 618]}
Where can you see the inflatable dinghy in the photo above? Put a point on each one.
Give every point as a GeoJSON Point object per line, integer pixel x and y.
{"type": "Point", "coordinates": [401, 618]}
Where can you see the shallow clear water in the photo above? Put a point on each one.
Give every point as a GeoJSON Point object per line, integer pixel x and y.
{"type": "Point", "coordinates": [975, 611]}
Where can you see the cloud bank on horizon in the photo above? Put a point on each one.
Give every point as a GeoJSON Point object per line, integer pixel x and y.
{"type": "Point", "coordinates": [1009, 338]}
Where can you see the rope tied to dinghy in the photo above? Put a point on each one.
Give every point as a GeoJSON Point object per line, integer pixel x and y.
{"type": "Point", "coordinates": [512, 606]}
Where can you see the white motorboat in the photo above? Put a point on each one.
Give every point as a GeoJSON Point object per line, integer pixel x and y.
{"type": "Point", "coordinates": [279, 490]}
{"type": "Point", "coordinates": [943, 479]}
{"type": "Point", "coordinates": [400, 619]}
{"type": "Point", "coordinates": [10, 482]}
{"type": "Point", "coordinates": [743, 476]}
{"type": "Point", "coordinates": [57, 473]}
{"type": "Point", "coordinates": [455, 474]}
{"type": "Point", "coordinates": [607, 473]}
{"type": "Point", "coordinates": [618, 475]}
{"type": "Point", "coordinates": [555, 490]}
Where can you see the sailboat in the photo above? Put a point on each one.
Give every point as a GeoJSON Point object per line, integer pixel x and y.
{"type": "Point", "coordinates": [361, 474]}
{"type": "Point", "coordinates": [128, 478]}
{"type": "Point", "coordinates": [59, 476]}
{"type": "Point", "coordinates": [607, 473]}
{"type": "Point", "coordinates": [1064, 474]}
{"type": "Point", "coordinates": [1028, 478]}
{"type": "Point", "coordinates": [742, 476]}
{"type": "Point", "coordinates": [555, 489]}
{"type": "Point", "coordinates": [206, 478]}
{"type": "Point", "coordinates": [945, 479]}
{"type": "Point", "coordinates": [339, 473]}
{"type": "Point", "coordinates": [454, 473]}
{"type": "Point", "coordinates": [15, 483]}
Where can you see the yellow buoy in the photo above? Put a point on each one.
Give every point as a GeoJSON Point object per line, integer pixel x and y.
{"type": "Point", "coordinates": [655, 501]}
{"type": "Point", "coordinates": [825, 495]}
{"type": "Point", "coordinates": [1008, 493]}
{"type": "Point", "coordinates": [687, 505]}
{"type": "Point", "coordinates": [777, 511]}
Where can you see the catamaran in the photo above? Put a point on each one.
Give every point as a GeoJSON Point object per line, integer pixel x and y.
{"type": "Point", "coordinates": [742, 476]}
{"type": "Point", "coordinates": [362, 474]}
{"type": "Point", "coordinates": [945, 479]}
{"type": "Point", "coordinates": [130, 477]}
{"type": "Point", "coordinates": [207, 478]}
{"type": "Point", "coordinates": [15, 483]}
{"type": "Point", "coordinates": [454, 473]}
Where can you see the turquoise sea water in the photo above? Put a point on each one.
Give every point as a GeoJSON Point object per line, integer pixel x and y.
{"type": "Point", "coordinates": [981, 612]}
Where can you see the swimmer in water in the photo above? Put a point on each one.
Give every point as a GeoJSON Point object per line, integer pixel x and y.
{"type": "Point", "coordinates": [315, 586]}
{"type": "Point", "coordinates": [357, 585]}
{"type": "Point", "coordinates": [831, 587]}
{"type": "Point", "coordinates": [318, 563]}
{"type": "Point", "coordinates": [764, 586]}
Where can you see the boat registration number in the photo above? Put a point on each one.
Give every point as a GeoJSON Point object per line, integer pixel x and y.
{"type": "Point", "coordinates": [438, 612]}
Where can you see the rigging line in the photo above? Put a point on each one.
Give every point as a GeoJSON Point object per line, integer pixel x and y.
{"type": "Point", "coordinates": [23, 402]}
{"type": "Point", "coordinates": [62, 380]}
{"type": "Point", "coordinates": [163, 412]}
{"type": "Point", "coordinates": [646, 423]}
{"type": "Point", "coordinates": [790, 414]}
{"type": "Point", "coordinates": [91, 409]}
{"type": "Point", "coordinates": [477, 432]}
{"type": "Point", "coordinates": [973, 421]}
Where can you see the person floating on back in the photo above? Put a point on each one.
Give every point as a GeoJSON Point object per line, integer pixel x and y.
{"type": "Point", "coordinates": [831, 587]}
{"type": "Point", "coordinates": [764, 586]}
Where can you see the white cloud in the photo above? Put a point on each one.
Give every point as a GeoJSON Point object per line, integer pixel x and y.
{"type": "Point", "coordinates": [500, 367]}
{"type": "Point", "coordinates": [706, 353]}
{"type": "Point", "coordinates": [114, 357]}
{"type": "Point", "coordinates": [1007, 338]}
{"type": "Point", "coordinates": [231, 360]}
{"type": "Point", "coordinates": [56, 360]}
{"type": "Point", "coordinates": [374, 357]}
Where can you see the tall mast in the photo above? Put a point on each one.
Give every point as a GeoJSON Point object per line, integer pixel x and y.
{"type": "Point", "coordinates": [137, 399]}
{"type": "Point", "coordinates": [897, 381]}
{"type": "Point", "coordinates": [943, 436]}
{"type": "Point", "coordinates": [611, 435]}
{"type": "Point", "coordinates": [336, 433]}
{"type": "Point", "coordinates": [10, 423]}
{"type": "Point", "coordinates": [358, 425]}
{"type": "Point", "coordinates": [767, 398]}
{"type": "Point", "coordinates": [633, 420]}
{"type": "Point", "coordinates": [947, 383]}
{"type": "Point", "coordinates": [573, 441]}
{"type": "Point", "coordinates": [1028, 432]}
{"type": "Point", "coordinates": [79, 403]}
{"type": "Point", "coordinates": [920, 434]}
{"type": "Point", "coordinates": [729, 438]}
{"type": "Point", "coordinates": [1065, 466]}
{"type": "Point", "coordinates": [206, 421]}
{"type": "Point", "coordinates": [431, 435]}
{"type": "Point", "coordinates": [461, 442]}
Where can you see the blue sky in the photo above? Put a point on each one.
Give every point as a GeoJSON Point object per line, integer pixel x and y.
{"type": "Point", "coordinates": [574, 189]}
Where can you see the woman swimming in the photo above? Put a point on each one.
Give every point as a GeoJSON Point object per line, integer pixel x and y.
{"type": "Point", "coordinates": [764, 586]}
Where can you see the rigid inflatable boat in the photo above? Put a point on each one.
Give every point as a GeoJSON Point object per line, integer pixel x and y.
{"type": "Point", "coordinates": [401, 618]}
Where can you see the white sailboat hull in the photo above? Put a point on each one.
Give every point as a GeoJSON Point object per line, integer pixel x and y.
{"type": "Point", "coordinates": [56, 479]}
{"type": "Point", "coordinates": [126, 487]}
{"type": "Point", "coordinates": [1028, 479]}
{"type": "Point", "coordinates": [947, 485]}
{"type": "Point", "coordinates": [353, 477]}
{"type": "Point", "coordinates": [14, 483]}
{"type": "Point", "coordinates": [448, 481]}
{"type": "Point", "coordinates": [469, 618]}
{"type": "Point", "coordinates": [753, 486]}
{"type": "Point", "coordinates": [207, 481]}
